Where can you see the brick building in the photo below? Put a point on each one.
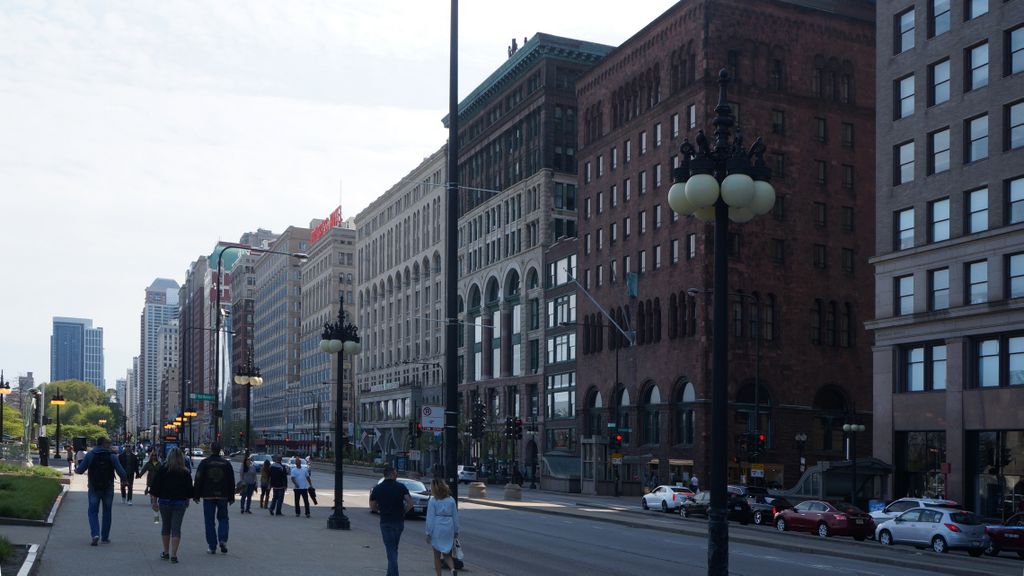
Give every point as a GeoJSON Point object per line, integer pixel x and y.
{"type": "Point", "coordinates": [803, 79]}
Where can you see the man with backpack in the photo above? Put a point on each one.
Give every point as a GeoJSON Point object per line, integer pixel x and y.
{"type": "Point", "coordinates": [131, 468]}
{"type": "Point", "coordinates": [278, 484]}
{"type": "Point", "coordinates": [215, 485]}
{"type": "Point", "coordinates": [101, 464]}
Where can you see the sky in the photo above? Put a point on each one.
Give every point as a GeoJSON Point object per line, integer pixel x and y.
{"type": "Point", "coordinates": [136, 134]}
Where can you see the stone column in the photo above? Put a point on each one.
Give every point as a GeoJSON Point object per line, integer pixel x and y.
{"type": "Point", "coordinates": [506, 340]}
{"type": "Point", "coordinates": [487, 365]}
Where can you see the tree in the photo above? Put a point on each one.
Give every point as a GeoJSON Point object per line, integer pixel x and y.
{"type": "Point", "coordinates": [13, 423]}
{"type": "Point", "coordinates": [77, 391]}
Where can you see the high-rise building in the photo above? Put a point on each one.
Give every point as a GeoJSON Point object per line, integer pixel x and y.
{"type": "Point", "coordinates": [120, 386]}
{"type": "Point", "coordinates": [802, 74]}
{"type": "Point", "coordinates": [168, 375]}
{"type": "Point", "coordinates": [277, 321]}
{"type": "Point", "coordinates": [949, 251]}
{"type": "Point", "coordinates": [76, 351]}
{"type": "Point", "coordinates": [401, 309]}
{"type": "Point", "coordinates": [195, 326]}
{"type": "Point", "coordinates": [160, 309]}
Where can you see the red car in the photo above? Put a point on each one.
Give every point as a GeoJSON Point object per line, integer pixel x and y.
{"type": "Point", "coordinates": [1008, 537]}
{"type": "Point", "coordinates": [826, 519]}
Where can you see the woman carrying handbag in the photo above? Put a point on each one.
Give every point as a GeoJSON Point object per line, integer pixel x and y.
{"type": "Point", "coordinates": [442, 525]}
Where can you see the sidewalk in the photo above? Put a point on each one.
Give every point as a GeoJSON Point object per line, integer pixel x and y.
{"type": "Point", "coordinates": [258, 542]}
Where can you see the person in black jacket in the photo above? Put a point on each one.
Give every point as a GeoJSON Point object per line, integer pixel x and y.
{"type": "Point", "coordinates": [131, 469]}
{"type": "Point", "coordinates": [169, 491]}
{"type": "Point", "coordinates": [215, 484]}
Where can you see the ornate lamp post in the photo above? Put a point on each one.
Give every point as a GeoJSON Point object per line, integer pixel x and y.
{"type": "Point", "coordinates": [57, 400]}
{"type": "Point", "coordinates": [5, 389]}
{"type": "Point", "coordinates": [338, 338]}
{"type": "Point", "coordinates": [248, 376]}
{"type": "Point", "coordinates": [801, 441]}
{"type": "Point", "coordinates": [721, 183]}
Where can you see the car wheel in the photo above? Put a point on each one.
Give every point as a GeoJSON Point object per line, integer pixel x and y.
{"type": "Point", "coordinates": [885, 538]}
{"type": "Point", "coordinates": [686, 512]}
{"type": "Point", "coordinates": [664, 507]}
{"type": "Point", "coordinates": [992, 549]}
{"type": "Point", "coordinates": [823, 530]}
{"type": "Point", "coordinates": [758, 519]}
{"type": "Point", "coordinates": [939, 545]}
{"type": "Point", "coordinates": [781, 525]}
{"type": "Point", "coordinates": [975, 553]}
{"type": "Point", "coordinates": [643, 504]}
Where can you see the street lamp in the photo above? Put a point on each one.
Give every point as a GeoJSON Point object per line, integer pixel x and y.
{"type": "Point", "coordinates": [339, 337]}
{"type": "Point", "coordinates": [720, 184]}
{"type": "Point", "coordinates": [248, 376]}
{"type": "Point", "coordinates": [801, 440]}
{"type": "Point", "coordinates": [57, 400]}
{"type": "Point", "coordinates": [219, 316]}
{"type": "Point", "coordinates": [5, 389]}
{"type": "Point", "coordinates": [851, 434]}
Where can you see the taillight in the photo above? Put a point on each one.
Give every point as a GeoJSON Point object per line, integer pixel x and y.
{"type": "Point", "coordinates": [673, 496]}
{"type": "Point", "coordinates": [952, 527]}
{"type": "Point", "coordinates": [840, 516]}
{"type": "Point", "coordinates": [774, 511]}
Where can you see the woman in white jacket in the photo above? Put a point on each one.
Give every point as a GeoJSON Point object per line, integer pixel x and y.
{"type": "Point", "coordinates": [442, 525]}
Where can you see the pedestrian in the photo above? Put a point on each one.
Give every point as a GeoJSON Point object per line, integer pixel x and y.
{"type": "Point", "coordinates": [249, 477]}
{"type": "Point", "coordinates": [71, 458]}
{"type": "Point", "coordinates": [131, 469]}
{"type": "Point", "coordinates": [265, 483]}
{"type": "Point", "coordinates": [169, 495]}
{"type": "Point", "coordinates": [278, 479]}
{"type": "Point", "coordinates": [215, 484]}
{"type": "Point", "coordinates": [101, 464]}
{"type": "Point", "coordinates": [79, 456]}
{"type": "Point", "coordinates": [392, 501]}
{"type": "Point", "coordinates": [149, 469]}
{"type": "Point", "coordinates": [442, 525]}
{"type": "Point", "coordinates": [300, 481]}
{"type": "Point", "coordinates": [694, 483]}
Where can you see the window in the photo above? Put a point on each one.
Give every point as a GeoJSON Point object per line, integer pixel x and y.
{"type": "Point", "coordinates": [847, 257]}
{"type": "Point", "coordinates": [657, 216]}
{"type": "Point", "coordinates": [778, 251]}
{"type": "Point", "coordinates": [657, 256]}
{"type": "Point", "coordinates": [1015, 276]}
{"type": "Point", "coordinates": [560, 390]}
{"type": "Point", "coordinates": [1014, 126]}
{"type": "Point", "coordinates": [975, 8]}
{"type": "Point", "coordinates": [847, 177]}
{"type": "Point", "coordinates": [586, 207]}
{"type": "Point", "coordinates": [691, 116]}
{"type": "Point", "coordinates": [675, 251]}
{"type": "Point", "coordinates": [643, 221]}
{"type": "Point", "coordinates": [904, 229]}
{"type": "Point", "coordinates": [904, 97]}
{"type": "Point", "coordinates": [600, 239]}
{"type": "Point", "coordinates": [613, 233]}
{"type": "Point", "coordinates": [691, 246]}
{"type": "Point", "coordinates": [643, 142]}
{"type": "Point", "coordinates": [820, 172]}
{"type": "Point", "coordinates": [846, 218]}
{"type": "Point", "coordinates": [923, 368]}
{"type": "Point", "coordinates": [625, 227]}
{"type": "Point", "coordinates": [675, 125]}
{"type": "Point", "coordinates": [1015, 200]}
{"type": "Point", "coordinates": [977, 282]}
{"type": "Point", "coordinates": [819, 214]}
{"type": "Point", "coordinates": [600, 165]}
{"type": "Point", "coordinates": [847, 135]}
{"type": "Point", "coordinates": [642, 178]}
{"type": "Point", "coordinates": [977, 211]}
{"type": "Point", "coordinates": [776, 75]}
{"type": "Point", "coordinates": [976, 131]}
{"type": "Point", "coordinates": [940, 17]}
{"type": "Point", "coordinates": [613, 196]}
{"type": "Point", "coordinates": [778, 122]}
{"type": "Point", "coordinates": [627, 190]}
{"type": "Point", "coordinates": [904, 295]}
{"type": "Point", "coordinates": [820, 130]}
{"type": "Point", "coordinates": [994, 354]}
{"type": "Point", "coordinates": [600, 202]}
{"type": "Point", "coordinates": [586, 243]}
{"type": "Point", "coordinates": [643, 262]}
{"type": "Point", "coordinates": [615, 157]}
{"type": "Point", "coordinates": [904, 156]}
{"type": "Point", "coordinates": [938, 154]}
{"type": "Point", "coordinates": [627, 151]}
{"type": "Point", "coordinates": [938, 281]}
{"type": "Point", "coordinates": [600, 275]}
{"type": "Point", "coordinates": [1014, 43]}
{"type": "Point", "coordinates": [938, 75]}
{"type": "Point", "coordinates": [904, 31]}
{"type": "Point", "coordinates": [820, 256]}
{"type": "Point", "coordinates": [657, 175]}
{"type": "Point", "coordinates": [939, 218]}
{"type": "Point", "coordinates": [977, 64]}
{"type": "Point", "coordinates": [657, 134]}
{"type": "Point", "coordinates": [586, 171]}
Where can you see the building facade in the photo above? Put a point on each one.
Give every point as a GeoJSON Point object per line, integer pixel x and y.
{"type": "Point", "coordinates": [168, 374]}
{"type": "Point", "coordinates": [949, 253]}
{"type": "Point", "coordinates": [802, 78]}
{"type": "Point", "coordinates": [195, 327]}
{"type": "Point", "coordinates": [400, 312]}
{"type": "Point", "coordinates": [517, 176]}
{"type": "Point", "coordinates": [76, 351]}
{"type": "Point", "coordinates": [160, 309]}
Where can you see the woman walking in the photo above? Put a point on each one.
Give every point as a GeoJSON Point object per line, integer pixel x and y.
{"type": "Point", "coordinates": [150, 469]}
{"type": "Point", "coordinates": [249, 477]}
{"type": "Point", "coordinates": [265, 483]}
{"type": "Point", "coordinates": [442, 525]}
{"type": "Point", "coordinates": [169, 491]}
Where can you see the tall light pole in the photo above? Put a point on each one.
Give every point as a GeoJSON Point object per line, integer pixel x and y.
{"type": "Point", "coordinates": [248, 376]}
{"type": "Point", "coordinates": [5, 389]}
{"type": "Point", "coordinates": [219, 317]}
{"type": "Point", "coordinates": [57, 400]}
{"type": "Point", "coordinates": [451, 256]}
{"type": "Point", "coordinates": [721, 184]}
{"type": "Point", "coordinates": [851, 430]}
{"type": "Point", "coordinates": [338, 338]}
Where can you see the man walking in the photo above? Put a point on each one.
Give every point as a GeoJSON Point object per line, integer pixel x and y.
{"type": "Point", "coordinates": [131, 468]}
{"type": "Point", "coordinates": [278, 485]}
{"type": "Point", "coordinates": [101, 463]}
{"type": "Point", "coordinates": [215, 484]}
{"type": "Point", "coordinates": [392, 501]}
{"type": "Point", "coordinates": [300, 481]}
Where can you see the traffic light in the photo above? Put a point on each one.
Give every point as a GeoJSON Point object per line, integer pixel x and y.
{"type": "Point", "coordinates": [479, 421]}
{"type": "Point", "coordinates": [760, 444]}
{"type": "Point", "coordinates": [419, 430]}
{"type": "Point", "coordinates": [412, 434]}
{"type": "Point", "coordinates": [510, 427]}
{"type": "Point", "coordinates": [615, 441]}
{"type": "Point", "coordinates": [518, 429]}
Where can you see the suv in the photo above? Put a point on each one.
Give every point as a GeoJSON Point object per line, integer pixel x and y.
{"type": "Point", "coordinates": [467, 474]}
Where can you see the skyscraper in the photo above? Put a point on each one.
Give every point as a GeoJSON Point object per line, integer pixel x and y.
{"type": "Point", "coordinates": [160, 309]}
{"type": "Point", "coordinates": [76, 351]}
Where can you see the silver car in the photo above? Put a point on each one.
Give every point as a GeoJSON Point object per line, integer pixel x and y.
{"type": "Point", "coordinates": [939, 528]}
{"type": "Point", "coordinates": [420, 495]}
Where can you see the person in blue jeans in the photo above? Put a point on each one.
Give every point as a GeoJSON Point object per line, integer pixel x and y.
{"type": "Point", "coordinates": [392, 501]}
{"type": "Point", "coordinates": [101, 463]}
{"type": "Point", "coordinates": [215, 485]}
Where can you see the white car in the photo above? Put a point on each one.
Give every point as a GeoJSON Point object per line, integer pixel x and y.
{"type": "Point", "coordinates": [897, 507]}
{"type": "Point", "coordinates": [941, 529]}
{"type": "Point", "coordinates": [197, 452]}
{"type": "Point", "coordinates": [467, 474]}
{"type": "Point", "coordinates": [666, 498]}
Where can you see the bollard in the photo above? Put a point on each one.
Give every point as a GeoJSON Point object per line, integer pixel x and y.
{"type": "Point", "coordinates": [513, 491]}
{"type": "Point", "coordinates": [477, 490]}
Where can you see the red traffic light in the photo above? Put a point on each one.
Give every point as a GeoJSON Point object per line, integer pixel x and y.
{"type": "Point", "coordinates": [761, 437]}
{"type": "Point", "coordinates": [618, 437]}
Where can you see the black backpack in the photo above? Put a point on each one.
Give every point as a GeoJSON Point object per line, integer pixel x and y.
{"type": "Point", "coordinates": [101, 470]}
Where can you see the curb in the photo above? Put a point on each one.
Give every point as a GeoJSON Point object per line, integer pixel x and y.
{"type": "Point", "coordinates": [31, 561]}
{"type": "Point", "coordinates": [743, 539]}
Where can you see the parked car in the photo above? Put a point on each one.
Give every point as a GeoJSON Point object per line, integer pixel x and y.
{"type": "Point", "coordinates": [897, 507]}
{"type": "Point", "coordinates": [420, 495]}
{"type": "Point", "coordinates": [826, 519]}
{"type": "Point", "coordinates": [197, 452]}
{"type": "Point", "coordinates": [1006, 537]}
{"type": "Point", "coordinates": [765, 507]}
{"type": "Point", "coordinates": [467, 474]}
{"type": "Point", "coordinates": [942, 529]}
{"type": "Point", "coordinates": [665, 497]}
{"type": "Point", "coordinates": [698, 505]}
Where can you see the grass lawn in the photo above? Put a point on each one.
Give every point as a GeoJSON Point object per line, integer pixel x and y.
{"type": "Point", "coordinates": [27, 497]}
{"type": "Point", "coordinates": [37, 471]}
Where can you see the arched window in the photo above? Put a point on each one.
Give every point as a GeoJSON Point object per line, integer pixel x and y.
{"type": "Point", "coordinates": [651, 419]}
{"type": "Point", "coordinates": [641, 318]}
{"type": "Point", "coordinates": [595, 406]}
{"type": "Point", "coordinates": [830, 324]}
{"type": "Point", "coordinates": [657, 320]}
{"type": "Point", "coordinates": [649, 321]}
{"type": "Point", "coordinates": [673, 321]}
{"type": "Point", "coordinates": [622, 415]}
{"type": "Point", "coordinates": [685, 414]}
{"type": "Point", "coordinates": [846, 326]}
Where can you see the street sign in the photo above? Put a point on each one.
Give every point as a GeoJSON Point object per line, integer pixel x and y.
{"type": "Point", "coordinates": [616, 455]}
{"type": "Point", "coordinates": [432, 417]}
{"type": "Point", "coordinates": [414, 455]}
{"type": "Point", "coordinates": [757, 470]}
{"type": "Point", "coordinates": [617, 461]}
{"type": "Point", "coordinates": [198, 396]}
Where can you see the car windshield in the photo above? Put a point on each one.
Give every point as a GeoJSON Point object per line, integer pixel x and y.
{"type": "Point", "coordinates": [414, 485]}
{"type": "Point", "coordinates": [469, 469]}
{"type": "Point", "coordinates": [965, 518]}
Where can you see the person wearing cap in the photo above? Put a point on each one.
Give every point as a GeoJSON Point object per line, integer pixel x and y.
{"type": "Point", "coordinates": [391, 499]}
